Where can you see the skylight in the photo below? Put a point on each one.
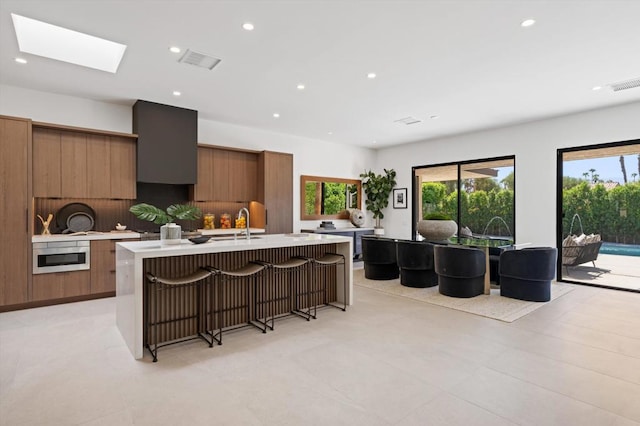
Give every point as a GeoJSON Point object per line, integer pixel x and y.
{"type": "Point", "coordinates": [50, 41]}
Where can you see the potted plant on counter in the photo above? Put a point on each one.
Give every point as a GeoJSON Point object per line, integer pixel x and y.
{"type": "Point", "coordinates": [170, 233]}
{"type": "Point", "coordinates": [437, 227]}
{"type": "Point", "coordinates": [377, 189]}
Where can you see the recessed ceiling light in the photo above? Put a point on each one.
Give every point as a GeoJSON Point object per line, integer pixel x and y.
{"type": "Point", "coordinates": [329, 133]}
{"type": "Point", "coordinates": [374, 142]}
{"type": "Point", "coordinates": [276, 115]}
{"type": "Point", "coordinates": [527, 23]}
{"type": "Point", "coordinates": [176, 93]}
{"type": "Point", "coordinates": [300, 86]}
{"type": "Point", "coordinates": [371, 75]}
{"type": "Point", "coordinates": [21, 60]}
{"type": "Point", "coordinates": [175, 49]}
{"type": "Point", "coordinates": [62, 44]}
{"type": "Point", "coordinates": [248, 26]}
{"type": "Point", "coordinates": [596, 88]}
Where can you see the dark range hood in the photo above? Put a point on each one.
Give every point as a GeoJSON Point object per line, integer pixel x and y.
{"type": "Point", "coordinates": [167, 143]}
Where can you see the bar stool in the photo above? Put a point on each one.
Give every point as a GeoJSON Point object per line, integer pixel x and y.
{"type": "Point", "coordinates": [320, 265]}
{"type": "Point", "coordinates": [170, 301]}
{"type": "Point", "coordinates": [290, 268]}
{"type": "Point", "coordinates": [251, 272]}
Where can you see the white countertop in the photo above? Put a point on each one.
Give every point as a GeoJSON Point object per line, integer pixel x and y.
{"type": "Point", "coordinates": [113, 235]}
{"type": "Point", "coordinates": [146, 249]}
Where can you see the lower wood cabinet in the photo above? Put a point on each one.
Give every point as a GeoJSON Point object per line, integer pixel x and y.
{"type": "Point", "coordinates": [103, 266]}
{"type": "Point", "coordinates": [60, 285]}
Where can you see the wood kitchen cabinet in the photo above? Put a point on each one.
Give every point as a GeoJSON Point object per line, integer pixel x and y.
{"type": "Point", "coordinates": [243, 175]}
{"type": "Point", "coordinates": [203, 190]}
{"type": "Point", "coordinates": [275, 191]}
{"type": "Point", "coordinates": [47, 179]}
{"type": "Point", "coordinates": [220, 174]}
{"type": "Point", "coordinates": [83, 164]}
{"type": "Point", "coordinates": [226, 175]}
{"type": "Point", "coordinates": [103, 266]}
{"type": "Point", "coordinates": [122, 167]}
{"type": "Point", "coordinates": [60, 285]}
{"type": "Point", "coordinates": [15, 262]}
{"type": "Point", "coordinates": [98, 166]}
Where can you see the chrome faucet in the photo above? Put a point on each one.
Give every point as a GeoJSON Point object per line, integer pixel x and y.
{"type": "Point", "coordinates": [247, 232]}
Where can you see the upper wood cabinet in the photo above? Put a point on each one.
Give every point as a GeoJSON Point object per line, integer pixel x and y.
{"type": "Point", "coordinates": [226, 175]}
{"type": "Point", "coordinates": [82, 164]}
{"type": "Point", "coordinates": [275, 172]}
{"type": "Point", "coordinates": [122, 167]}
{"type": "Point", "coordinates": [47, 180]}
{"type": "Point", "coordinates": [243, 176]}
{"type": "Point", "coordinates": [15, 245]}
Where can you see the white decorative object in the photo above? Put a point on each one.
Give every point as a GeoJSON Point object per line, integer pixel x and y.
{"type": "Point", "coordinates": [437, 230]}
{"type": "Point", "coordinates": [170, 234]}
{"type": "Point", "coordinates": [357, 217]}
{"type": "Point", "coordinates": [378, 231]}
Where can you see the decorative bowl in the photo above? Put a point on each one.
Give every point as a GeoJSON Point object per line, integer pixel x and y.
{"type": "Point", "coordinates": [437, 230]}
{"type": "Point", "coordinates": [199, 240]}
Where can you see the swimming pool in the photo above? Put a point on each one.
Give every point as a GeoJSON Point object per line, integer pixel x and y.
{"type": "Point", "coordinates": [620, 249]}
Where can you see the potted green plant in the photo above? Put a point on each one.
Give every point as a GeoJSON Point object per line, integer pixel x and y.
{"type": "Point", "coordinates": [437, 227]}
{"type": "Point", "coordinates": [377, 188]}
{"type": "Point", "coordinates": [170, 233]}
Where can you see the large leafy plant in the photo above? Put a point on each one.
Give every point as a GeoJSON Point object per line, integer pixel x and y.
{"type": "Point", "coordinates": [158, 216]}
{"type": "Point", "coordinates": [378, 188]}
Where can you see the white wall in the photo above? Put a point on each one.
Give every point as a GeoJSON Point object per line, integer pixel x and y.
{"type": "Point", "coordinates": [67, 110]}
{"type": "Point", "coordinates": [535, 146]}
{"type": "Point", "coordinates": [310, 157]}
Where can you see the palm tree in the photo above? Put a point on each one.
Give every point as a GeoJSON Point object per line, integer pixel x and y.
{"type": "Point", "coordinates": [624, 169]}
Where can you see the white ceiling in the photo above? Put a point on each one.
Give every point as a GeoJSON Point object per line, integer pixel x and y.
{"type": "Point", "coordinates": [468, 62]}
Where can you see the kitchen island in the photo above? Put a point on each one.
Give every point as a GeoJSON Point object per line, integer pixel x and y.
{"type": "Point", "coordinates": [135, 259]}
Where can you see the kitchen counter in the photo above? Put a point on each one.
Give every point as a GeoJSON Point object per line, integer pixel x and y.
{"type": "Point", "coordinates": [132, 259]}
{"type": "Point", "coordinates": [92, 235]}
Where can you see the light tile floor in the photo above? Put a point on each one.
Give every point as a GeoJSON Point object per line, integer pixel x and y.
{"type": "Point", "coordinates": [387, 360]}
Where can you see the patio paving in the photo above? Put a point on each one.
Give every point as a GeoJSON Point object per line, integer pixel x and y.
{"type": "Point", "coordinates": [611, 270]}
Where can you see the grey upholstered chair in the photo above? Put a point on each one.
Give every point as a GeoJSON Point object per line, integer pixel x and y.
{"type": "Point", "coordinates": [415, 260]}
{"type": "Point", "coordinates": [379, 257]}
{"type": "Point", "coordinates": [526, 274]}
{"type": "Point", "coordinates": [460, 270]}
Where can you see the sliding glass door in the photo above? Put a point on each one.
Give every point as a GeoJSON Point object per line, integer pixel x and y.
{"type": "Point", "coordinates": [599, 215]}
{"type": "Point", "coordinates": [479, 195]}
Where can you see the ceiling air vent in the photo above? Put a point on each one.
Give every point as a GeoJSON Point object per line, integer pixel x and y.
{"type": "Point", "coordinates": [199, 59]}
{"type": "Point", "coordinates": [408, 120]}
{"type": "Point", "coordinates": [624, 85]}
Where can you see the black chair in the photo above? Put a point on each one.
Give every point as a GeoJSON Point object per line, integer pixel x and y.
{"type": "Point", "coordinates": [415, 260]}
{"type": "Point", "coordinates": [526, 274]}
{"type": "Point", "coordinates": [460, 270]}
{"type": "Point", "coordinates": [379, 257]}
